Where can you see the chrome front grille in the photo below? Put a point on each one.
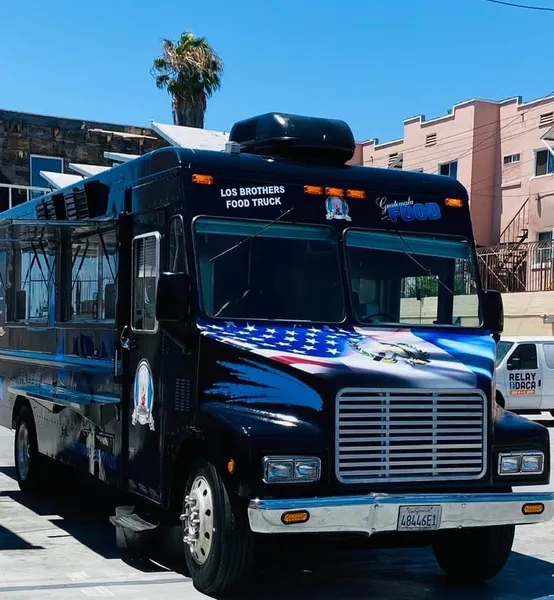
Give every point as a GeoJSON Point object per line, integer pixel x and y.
{"type": "Point", "coordinates": [410, 435]}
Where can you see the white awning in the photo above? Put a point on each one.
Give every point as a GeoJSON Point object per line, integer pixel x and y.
{"type": "Point", "coordinates": [60, 180]}
{"type": "Point", "coordinates": [549, 135]}
{"type": "Point", "coordinates": [191, 137]}
{"type": "Point", "coordinates": [120, 157]}
{"type": "Point", "coordinates": [548, 140]}
{"type": "Point", "coordinates": [88, 170]}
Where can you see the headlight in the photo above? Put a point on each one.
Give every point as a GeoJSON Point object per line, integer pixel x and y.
{"type": "Point", "coordinates": [532, 464]}
{"type": "Point", "coordinates": [521, 463]}
{"type": "Point", "coordinates": [291, 469]}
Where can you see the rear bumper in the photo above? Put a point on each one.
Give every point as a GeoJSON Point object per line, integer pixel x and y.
{"type": "Point", "coordinates": [376, 513]}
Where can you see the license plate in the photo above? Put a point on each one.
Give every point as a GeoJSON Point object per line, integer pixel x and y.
{"type": "Point", "coordinates": [419, 518]}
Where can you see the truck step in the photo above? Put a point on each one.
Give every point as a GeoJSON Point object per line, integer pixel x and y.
{"type": "Point", "coordinates": [133, 522]}
{"type": "Point", "coordinates": [137, 534]}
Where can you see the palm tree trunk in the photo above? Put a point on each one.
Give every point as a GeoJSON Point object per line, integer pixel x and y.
{"type": "Point", "coordinates": [188, 115]}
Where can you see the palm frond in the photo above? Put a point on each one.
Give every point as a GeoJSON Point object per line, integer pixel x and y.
{"type": "Point", "coordinates": [190, 70]}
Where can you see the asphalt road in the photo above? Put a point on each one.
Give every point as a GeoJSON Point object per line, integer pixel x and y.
{"type": "Point", "coordinates": [62, 547]}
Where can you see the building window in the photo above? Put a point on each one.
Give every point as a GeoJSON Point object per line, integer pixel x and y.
{"type": "Point", "coordinates": [146, 260]}
{"type": "Point", "coordinates": [177, 255]}
{"type": "Point", "coordinates": [93, 277]}
{"type": "Point", "coordinates": [512, 158]}
{"type": "Point", "coordinates": [543, 252]}
{"type": "Point", "coordinates": [449, 169]}
{"type": "Point", "coordinates": [39, 163]}
{"type": "Point", "coordinates": [544, 162]}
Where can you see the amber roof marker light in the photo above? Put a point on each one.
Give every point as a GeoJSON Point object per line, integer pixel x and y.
{"type": "Point", "coordinates": [356, 194]}
{"type": "Point", "coordinates": [454, 202]}
{"type": "Point", "coordinates": [202, 179]}
{"type": "Point", "coordinates": [314, 190]}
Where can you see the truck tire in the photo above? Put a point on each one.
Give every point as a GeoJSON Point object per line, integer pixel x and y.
{"type": "Point", "coordinates": [26, 455]}
{"type": "Point", "coordinates": [218, 541]}
{"type": "Point", "coordinates": [474, 555]}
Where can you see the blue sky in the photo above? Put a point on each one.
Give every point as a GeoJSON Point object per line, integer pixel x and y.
{"type": "Point", "coordinates": [372, 63]}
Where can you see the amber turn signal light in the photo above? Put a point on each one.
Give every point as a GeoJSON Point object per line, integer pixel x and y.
{"type": "Point", "coordinates": [533, 508]}
{"type": "Point", "coordinates": [295, 516]}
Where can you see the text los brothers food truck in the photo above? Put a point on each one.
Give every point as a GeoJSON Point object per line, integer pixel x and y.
{"type": "Point", "coordinates": [266, 341]}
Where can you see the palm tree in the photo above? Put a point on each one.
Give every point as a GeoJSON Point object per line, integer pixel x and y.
{"type": "Point", "coordinates": [190, 71]}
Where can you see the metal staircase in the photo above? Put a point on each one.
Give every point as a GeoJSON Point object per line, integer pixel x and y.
{"type": "Point", "coordinates": [504, 265]}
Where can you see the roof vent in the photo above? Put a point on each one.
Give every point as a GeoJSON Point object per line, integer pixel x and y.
{"type": "Point", "coordinates": [306, 139]}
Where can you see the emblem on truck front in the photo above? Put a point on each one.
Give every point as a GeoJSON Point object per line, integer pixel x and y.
{"type": "Point", "coordinates": [392, 353]}
{"type": "Point", "coordinates": [143, 396]}
{"type": "Point", "coordinates": [337, 208]}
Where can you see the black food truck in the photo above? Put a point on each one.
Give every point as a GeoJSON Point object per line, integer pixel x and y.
{"type": "Point", "coordinates": [267, 341]}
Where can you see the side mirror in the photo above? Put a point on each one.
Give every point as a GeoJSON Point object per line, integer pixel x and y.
{"type": "Point", "coordinates": [172, 297]}
{"type": "Point", "coordinates": [494, 312]}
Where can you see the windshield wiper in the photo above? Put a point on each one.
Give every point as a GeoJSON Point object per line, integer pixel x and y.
{"type": "Point", "coordinates": [251, 237]}
{"type": "Point", "coordinates": [411, 255]}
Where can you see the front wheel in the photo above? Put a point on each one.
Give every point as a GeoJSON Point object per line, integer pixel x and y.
{"type": "Point", "coordinates": [219, 545]}
{"type": "Point", "coordinates": [474, 555]}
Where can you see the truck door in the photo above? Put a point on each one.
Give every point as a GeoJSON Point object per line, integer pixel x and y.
{"type": "Point", "coordinates": [524, 378]}
{"type": "Point", "coordinates": [140, 338]}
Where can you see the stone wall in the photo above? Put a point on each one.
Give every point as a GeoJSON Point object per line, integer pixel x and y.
{"type": "Point", "coordinates": [23, 134]}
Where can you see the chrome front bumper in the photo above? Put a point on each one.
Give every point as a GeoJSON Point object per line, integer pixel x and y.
{"type": "Point", "coordinates": [375, 513]}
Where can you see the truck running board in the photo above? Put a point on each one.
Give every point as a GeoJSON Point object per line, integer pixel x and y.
{"type": "Point", "coordinates": [133, 523]}
{"type": "Point", "coordinates": [136, 534]}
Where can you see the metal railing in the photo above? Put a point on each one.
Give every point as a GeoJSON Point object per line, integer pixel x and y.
{"type": "Point", "coordinates": [12, 194]}
{"type": "Point", "coordinates": [517, 229]}
{"type": "Point", "coordinates": [518, 266]}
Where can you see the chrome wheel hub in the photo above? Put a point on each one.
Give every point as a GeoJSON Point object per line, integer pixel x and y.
{"type": "Point", "coordinates": [198, 520]}
{"type": "Point", "coordinates": [23, 452]}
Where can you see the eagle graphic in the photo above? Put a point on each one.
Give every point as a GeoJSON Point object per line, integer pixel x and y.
{"type": "Point", "coordinates": [393, 352]}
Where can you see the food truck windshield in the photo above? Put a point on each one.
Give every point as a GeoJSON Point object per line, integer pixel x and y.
{"type": "Point", "coordinates": [255, 270]}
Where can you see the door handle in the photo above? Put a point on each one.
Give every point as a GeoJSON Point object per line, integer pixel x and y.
{"type": "Point", "coordinates": [125, 340]}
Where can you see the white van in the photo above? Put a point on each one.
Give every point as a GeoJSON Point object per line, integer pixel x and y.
{"type": "Point", "coordinates": [525, 373]}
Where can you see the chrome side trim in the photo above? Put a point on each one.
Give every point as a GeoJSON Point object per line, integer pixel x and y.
{"type": "Point", "coordinates": [376, 513]}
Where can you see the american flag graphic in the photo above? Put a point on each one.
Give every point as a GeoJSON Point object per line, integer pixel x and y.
{"type": "Point", "coordinates": [400, 353]}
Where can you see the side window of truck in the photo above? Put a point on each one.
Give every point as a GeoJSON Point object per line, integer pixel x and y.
{"type": "Point", "coordinates": [177, 254]}
{"type": "Point", "coordinates": [549, 355]}
{"type": "Point", "coordinates": [146, 265]}
{"type": "Point", "coordinates": [523, 358]}
{"type": "Point", "coordinates": [93, 277]}
{"type": "Point", "coordinates": [29, 275]}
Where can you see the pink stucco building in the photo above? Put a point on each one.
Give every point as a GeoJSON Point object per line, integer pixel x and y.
{"type": "Point", "coordinates": [493, 148]}
{"type": "Point", "coordinates": [500, 152]}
